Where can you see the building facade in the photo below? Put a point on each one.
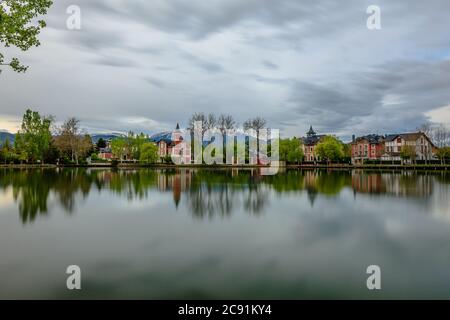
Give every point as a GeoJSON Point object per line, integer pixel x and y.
{"type": "Point", "coordinates": [171, 144]}
{"type": "Point", "coordinates": [309, 144]}
{"type": "Point", "coordinates": [106, 152]}
{"type": "Point", "coordinates": [369, 147]}
{"type": "Point", "coordinates": [419, 141]}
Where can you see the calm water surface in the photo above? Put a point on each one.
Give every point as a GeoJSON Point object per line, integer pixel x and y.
{"type": "Point", "coordinates": [223, 233]}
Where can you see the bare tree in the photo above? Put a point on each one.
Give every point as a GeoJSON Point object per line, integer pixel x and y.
{"type": "Point", "coordinates": [197, 117]}
{"type": "Point", "coordinates": [427, 128]}
{"type": "Point", "coordinates": [441, 136]}
{"type": "Point", "coordinates": [439, 133]}
{"type": "Point", "coordinates": [208, 121]}
{"type": "Point", "coordinates": [70, 139]}
{"type": "Point", "coordinates": [256, 124]}
{"type": "Point", "coordinates": [211, 122]}
{"type": "Point", "coordinates": [225, 122]}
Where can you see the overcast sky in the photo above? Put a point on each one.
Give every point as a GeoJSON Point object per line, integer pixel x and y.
{"type": "Point", "coordinates": [145, 65]}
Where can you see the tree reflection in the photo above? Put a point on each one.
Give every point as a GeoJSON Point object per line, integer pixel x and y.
{"type": "Point", "coordinates": [213, 193]}
{"type": "Point", "coordinates": [32, 195]}
{"type": "Point", "coordinates": [206, 193]}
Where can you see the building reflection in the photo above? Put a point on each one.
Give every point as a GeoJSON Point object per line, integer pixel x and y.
{"type": "Point", "coordinates": [177, 182]}
{"type": "Point", "coordinates": [398, 184]}
{"type": "Point", "coordinates": [206, 193]}
{"type": "Point", "coordinates": [368, 183]}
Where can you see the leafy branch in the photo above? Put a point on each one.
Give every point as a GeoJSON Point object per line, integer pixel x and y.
{"type": "Point", "coordinates": [18, 28]}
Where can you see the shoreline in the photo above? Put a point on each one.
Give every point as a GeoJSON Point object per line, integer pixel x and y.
{"type": "Point", "coordinates": [406, 167]}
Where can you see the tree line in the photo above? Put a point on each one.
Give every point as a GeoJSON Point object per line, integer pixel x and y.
{"type": "Point", "coordinates": [40, 141]}
{"type": "Point", "coordinates": [290, 149]}
{"type": "Point", "coordinates": [134, 147]}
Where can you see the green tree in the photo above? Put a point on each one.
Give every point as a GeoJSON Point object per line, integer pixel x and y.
{"type": "Point", "coordinates": [137, 143]}
{"type": "Point", "coordinates": [101, 143]}
{"type": "Point", "coordinates": [33, 139]}
{"type": "Point", "coordinates": [149, 153]}
{"type": "Point", "coordinates": [21, 149]}
{"type": "Point", "coordinates": [284, 149]}
{"type": "Point", "coordinates": [118, 148]}
{"type": "Point", "coordinates": [52, 154]}
{"type": "Point", "coordinates": [408, 153]}
{"type": "Point", "coordinates": [347, 149]}
{"type": "Point", "coordinates": [291, 150]}
{"type": "Point", "coordinates": [7, 152]}
{"type": "Point", "coordinates": [295, 153]}
{"type": "Point", "coordinates": [330, 149]}
{"type": "Point", "coordinates": [19, 27]}
{"type": "Point", "coordinates": [443, 154]}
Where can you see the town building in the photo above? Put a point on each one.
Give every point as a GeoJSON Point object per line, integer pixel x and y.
{"type": "Point", "coordinates": [309, 144]}
{"type": "Point", "coordinates": [106, 152]}
{"type": "Point", "coordinates": [106, 155]}
{"type": "Point", "coordinates": [172, 144]}
{"type": "Point", "coordinates": [369, 147]}
{"type": "Point", "coordinates": [423, 146]}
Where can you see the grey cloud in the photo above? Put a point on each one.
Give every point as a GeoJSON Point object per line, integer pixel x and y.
{"type": "Point", "coordinates": [209, 66]}
{"type": "Point", "coordinates": [93, 39]}
{"type": "Point", "coordinates": [294, 20]}
{"type": "Point", "coordinates": [115, 62]}
{"type": "Point", "coordinates": [419, 86]}
{"type": "Point", "coordinates": [271, 80]}
{"type": "Point", "coordinates": [155, 82]}
{"type": "Point", "coordinates": [270, 65]}
{"type": "Point", "coordinates": [293, 62]}
{"type": "Point", "coordinates": [198, 19]}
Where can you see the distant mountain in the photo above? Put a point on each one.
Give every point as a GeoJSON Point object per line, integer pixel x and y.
{"type": "Point", "coordinates": [96, 137]}
{"type": "Point", "coordinates": [6, 135]}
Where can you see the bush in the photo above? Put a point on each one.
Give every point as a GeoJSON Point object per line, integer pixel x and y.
{"type": "Point", "coordinates": [374, 162]}
{"type": "Point", "coordinates": [428, 162]}
{"type": "Point", "coordinates": [168, 159]}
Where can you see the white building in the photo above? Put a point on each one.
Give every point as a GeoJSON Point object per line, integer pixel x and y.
{"type": "Point", "coordinates": [424, 147]}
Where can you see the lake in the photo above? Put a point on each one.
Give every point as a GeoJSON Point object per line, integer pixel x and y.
{"type": "Point", "coordinates": [218, 234]}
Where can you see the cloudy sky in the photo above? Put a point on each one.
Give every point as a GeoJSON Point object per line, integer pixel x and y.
{"type": "Point", "coordinates": [146, 65]}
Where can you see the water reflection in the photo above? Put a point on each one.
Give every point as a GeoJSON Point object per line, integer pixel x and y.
{"type": "Point", "coordinates": [208, 193]}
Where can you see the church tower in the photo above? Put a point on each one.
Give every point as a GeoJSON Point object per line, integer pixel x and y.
{"type": "Point", "coordinates": [311, 132]}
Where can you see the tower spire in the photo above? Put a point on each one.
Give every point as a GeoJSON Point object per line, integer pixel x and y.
{"type": "Point", "coordinates": [311, 132]}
